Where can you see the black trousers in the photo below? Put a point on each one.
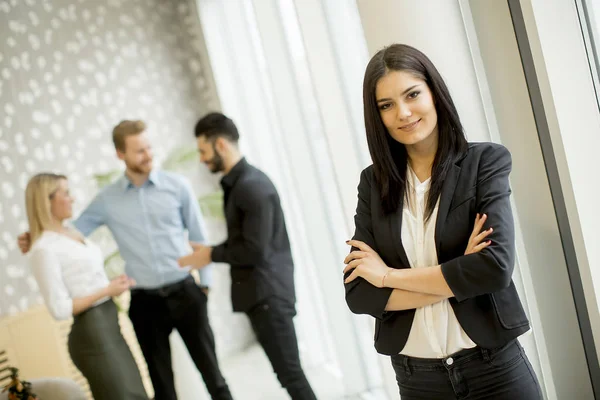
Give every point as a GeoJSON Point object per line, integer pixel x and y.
{"type": "Point", "coordinates": [272, 322]}
{"type": "Point", "coordinates": [183, 306]}
{"type": "Point", "coordinates": [503, 373]}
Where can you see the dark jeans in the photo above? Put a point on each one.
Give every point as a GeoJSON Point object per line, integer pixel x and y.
{"type": "Point", "coordinates": [492, 374]}
{"type": "Point", "coordinates": [183, 306]}
{"type": "Point", "coordinates": [272, 322]}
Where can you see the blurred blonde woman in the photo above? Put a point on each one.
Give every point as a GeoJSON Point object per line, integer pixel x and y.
{"type": "Point", "coordinates": [69, 270]}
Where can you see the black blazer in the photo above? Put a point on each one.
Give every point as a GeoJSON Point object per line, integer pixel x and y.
{"type": "Point", "coordinates": [486, 302]}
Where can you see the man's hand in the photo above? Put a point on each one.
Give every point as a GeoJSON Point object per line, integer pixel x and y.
{"type": "Point", "coordinates": [24, 242]}
{"type": "Point", "coordinates": [120, 284]}
{"type": "Point", "coordinates": [200, 258]}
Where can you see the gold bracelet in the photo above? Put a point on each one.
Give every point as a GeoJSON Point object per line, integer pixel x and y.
{"type": "Point", "coordinates": [383, 279]}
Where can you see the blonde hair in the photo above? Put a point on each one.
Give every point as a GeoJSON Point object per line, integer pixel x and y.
{"type": "Point", "coordinates": [38, 193]}
{"type": "Point", "coordinates": [125, 129]}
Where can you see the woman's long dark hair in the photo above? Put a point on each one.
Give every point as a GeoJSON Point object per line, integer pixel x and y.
{"type": "Point", "coordinates": [389, 156]}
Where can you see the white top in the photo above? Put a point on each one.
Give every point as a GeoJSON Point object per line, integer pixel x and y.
{"type": "Point", "coordinates": [65, 269]}
{"type": "Point", "coordinates": [435, 331]}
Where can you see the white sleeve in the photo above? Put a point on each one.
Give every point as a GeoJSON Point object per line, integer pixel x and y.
{"type": "Point", "coordinates": [47, 272]}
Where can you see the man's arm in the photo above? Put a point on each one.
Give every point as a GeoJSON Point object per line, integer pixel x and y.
{"type": "Point", "coordinates": [194, 223]}
{"type": "Point", "coordinates": [93, 217]}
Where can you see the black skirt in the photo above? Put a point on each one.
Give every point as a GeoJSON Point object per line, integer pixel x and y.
{"type": "Point", "coordinates": [100, 352]}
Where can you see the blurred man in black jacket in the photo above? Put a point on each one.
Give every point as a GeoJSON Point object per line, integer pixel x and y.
{"type": "Point", "coordinates": [257, 248]}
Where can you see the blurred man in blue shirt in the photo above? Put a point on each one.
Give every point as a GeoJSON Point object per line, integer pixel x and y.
{"type": "Point", "coordinates": [148, 212]}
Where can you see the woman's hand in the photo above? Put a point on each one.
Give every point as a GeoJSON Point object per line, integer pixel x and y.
{"type": "Point", "coordinates": [366, 264]}
{"type": "Point", "coordinates": [476, 243]}
{"type": "Point", "coordinates": [119, 285]}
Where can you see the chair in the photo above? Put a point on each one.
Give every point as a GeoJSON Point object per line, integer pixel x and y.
{"type": "Point", "coordinates": [55, 389]}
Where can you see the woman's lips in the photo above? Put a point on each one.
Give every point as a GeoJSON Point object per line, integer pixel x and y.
{"type": "Point", "coordinates": [411, 126]}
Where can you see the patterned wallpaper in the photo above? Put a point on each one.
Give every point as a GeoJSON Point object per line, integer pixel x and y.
{"type": "Point", "coordinates": [69, 71]}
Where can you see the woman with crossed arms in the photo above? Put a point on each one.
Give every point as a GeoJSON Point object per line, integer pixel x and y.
{"type": "Point", "coordinates": [437, 282]}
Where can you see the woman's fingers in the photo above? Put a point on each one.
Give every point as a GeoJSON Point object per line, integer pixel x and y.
{"type": "Point", "coordinates": [360, 245]}
{"type": "Point", "coordinates": [483, 235]}
{"type": "Point", "coordinates": [352, 264]}
{"type": "Point", "coordinates": [481, 246]}
{"type": "Point", "coordinates": [477, 226]}
{"type": "Point", "coordinates": [352, 276]}
{"type": "Point", "coordinates": [479, 223]}
{"type": "Point", "coordinates": [354, 255]}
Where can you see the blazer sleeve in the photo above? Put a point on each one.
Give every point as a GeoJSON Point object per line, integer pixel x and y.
{"type": "Point", "coordinates": [489, 270]}
{"type": "Point", "coordinates": [361, 296]}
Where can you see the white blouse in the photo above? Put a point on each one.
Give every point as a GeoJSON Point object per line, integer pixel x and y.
{"type": "Point", "coordinates": [65, 269]}
{"type": "Point", "coordinates": [435, 331]}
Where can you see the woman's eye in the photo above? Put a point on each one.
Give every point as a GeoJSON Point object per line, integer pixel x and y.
{"type": "Point", "coordinates": [413, 95]}
{"type": "Point", "coordinates": [384, 106]}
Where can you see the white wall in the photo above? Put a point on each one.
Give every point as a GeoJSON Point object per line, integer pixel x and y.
{"type": "Point", "coordinates": [69, 72]}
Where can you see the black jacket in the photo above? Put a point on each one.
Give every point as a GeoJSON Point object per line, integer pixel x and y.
{"type": "Point", "coordinates": [257, 247]}
{"type": "Point", "coordinates": [486, 302]}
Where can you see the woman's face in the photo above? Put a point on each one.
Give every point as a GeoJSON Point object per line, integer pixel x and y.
{"type": "Point", "coordinates": [406, 107]}
{"type": "Point", "coordinates": [61, 201]}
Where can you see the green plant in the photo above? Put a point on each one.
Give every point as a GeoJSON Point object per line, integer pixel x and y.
{"type": "Point", "coordinates": [103, 180]}
{"type": "Point", "coordinates": [211, 205]}
{"type": "Point", "coordinates": [179, 157]}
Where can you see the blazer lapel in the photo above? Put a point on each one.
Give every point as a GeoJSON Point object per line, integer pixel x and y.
{"type": "Point", "coordinates": [445, 202]}
{"type": "Point", "coordinates": [396, 228]}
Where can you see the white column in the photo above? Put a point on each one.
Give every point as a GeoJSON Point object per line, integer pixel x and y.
{"type": "Point", "coordinates": [294, 131]}
{"type": "Point", "coordinates": [332, 100]}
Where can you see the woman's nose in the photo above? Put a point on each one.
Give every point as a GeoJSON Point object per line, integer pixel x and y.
{"type": "Point", "coordinates": [404, 111]}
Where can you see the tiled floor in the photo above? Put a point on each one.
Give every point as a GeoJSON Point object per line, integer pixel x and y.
{"type": "Point", "coordinates": [251, 377]}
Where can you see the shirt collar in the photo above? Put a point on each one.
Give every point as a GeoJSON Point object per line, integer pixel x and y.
{"type": "Point", "coordinates": [415, 183]}
{"type": "Point", "coordinates": [153, 178]}
{"type": "Point", "coordinates": [233, 175]}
